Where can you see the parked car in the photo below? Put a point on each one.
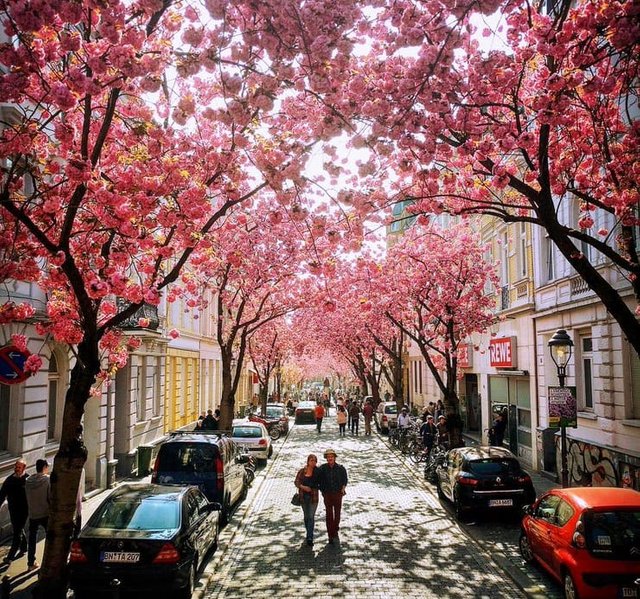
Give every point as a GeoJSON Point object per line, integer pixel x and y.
{"type": "Point", "coordinates": [210, 460]}
{"type": "Point", "coordinates": [149, 537]}
{"type": "Point", "coordinates": [279, 411]}
{"type": "Point", "coordinates": [478, 478]}
{"type": "Point", "coordinates": [253, 438]}
{"type": "Point", "coordinates": [306, 412]}
{"type": "Point", "coordinates": [588, 538]}
{"type": "Point", "coordinates": [386, 416]}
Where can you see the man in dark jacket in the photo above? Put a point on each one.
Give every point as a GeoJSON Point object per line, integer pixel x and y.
{"type": "Point", "coordinates": [332, 481]}
{"type": "Point", "coordinates": [13, 491]}
{"type": "Point", "coordinates": [37, 490]}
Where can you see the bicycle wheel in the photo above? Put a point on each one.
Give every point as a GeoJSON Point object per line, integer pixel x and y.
{"type": "Point", "coordinates": [415, 452]}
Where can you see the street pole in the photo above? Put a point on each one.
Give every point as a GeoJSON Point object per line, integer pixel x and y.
{"type": "Point", "coordinates": [564, 468]}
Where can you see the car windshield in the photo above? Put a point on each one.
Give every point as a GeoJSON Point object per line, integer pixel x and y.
{"type": "Point", "coordinates": [613, 534]}
{"type": "Point", "coordinates": [187, 457]}
{"type": "Point", "coordinates": [274, 412]}
{"type": "Point", "coordinates": [391, 409]}
{"type": "Point", "coordinates": [493, 467]}
{"type": "Point", "coordinates": [149, 513]}
{"type": "Point", "coordinates": [246, 432]}
{"type": "Point", "coordinates": [306, 405]}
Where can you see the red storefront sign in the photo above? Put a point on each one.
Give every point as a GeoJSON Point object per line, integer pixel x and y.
{"type": "Point", "coordinates": [502, 352]}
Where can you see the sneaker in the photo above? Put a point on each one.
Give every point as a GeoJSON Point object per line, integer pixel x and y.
{"type": "Point", "coordinates": [33, 567]}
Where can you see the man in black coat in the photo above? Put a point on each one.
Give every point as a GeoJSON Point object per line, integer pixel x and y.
{"type": "Point", "coordinates": [332, 481]}
{"type": "Point", "coordinates": [13, 491]}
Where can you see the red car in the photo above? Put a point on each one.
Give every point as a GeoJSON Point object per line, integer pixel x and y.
{"type": "Point", "coordinates": [588, 538]}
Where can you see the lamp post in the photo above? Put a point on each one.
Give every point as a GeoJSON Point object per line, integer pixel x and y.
{"type": "Point", "coordinates": [560, 348]}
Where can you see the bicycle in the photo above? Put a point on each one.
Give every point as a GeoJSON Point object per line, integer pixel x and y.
{"type": "Point", "coordinates": [436, 458]}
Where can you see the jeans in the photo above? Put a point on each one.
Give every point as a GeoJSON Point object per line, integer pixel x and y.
{"type": "Point", "coordinates": [333, 507]}
{"type": "Point", "coordinates": [309, 510]}
{"type": "Point", "coordinates": [354, 425]}
{"type": "Point", "coordinates": [342, 426]}
{"type": "Point", "coordinates": [319, 424]}
{"type": "Point", "coordinates": [19, 540]}
{"type": "Point", "coordinates": [34, 525]}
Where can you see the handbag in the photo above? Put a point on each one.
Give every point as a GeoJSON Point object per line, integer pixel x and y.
{"type": "Point", "coordinates": [295, 500]}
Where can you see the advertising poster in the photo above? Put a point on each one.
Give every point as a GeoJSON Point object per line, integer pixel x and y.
{"type": "Point", "coordinates": [563, 408]}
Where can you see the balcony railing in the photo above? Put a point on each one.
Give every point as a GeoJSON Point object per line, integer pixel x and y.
{"type": "Point", "coordinates": [148, 311]}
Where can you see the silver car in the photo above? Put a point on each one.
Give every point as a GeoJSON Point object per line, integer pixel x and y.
{"type": "Point", "coordinates": [254, 438]}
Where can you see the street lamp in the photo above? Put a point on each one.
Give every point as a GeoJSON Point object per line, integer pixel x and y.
{"type": "Point", "coordinates": [560, 348]}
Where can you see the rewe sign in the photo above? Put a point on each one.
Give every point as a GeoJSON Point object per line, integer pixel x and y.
{"type": "Point", "coordinates": [502, 352]}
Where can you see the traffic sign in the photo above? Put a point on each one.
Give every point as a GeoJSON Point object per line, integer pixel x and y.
{"type": "Point", "coordinates": [12, 362]}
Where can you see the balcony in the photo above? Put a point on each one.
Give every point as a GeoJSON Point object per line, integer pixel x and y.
{"type": "Point", "coordinates": [145, 311]}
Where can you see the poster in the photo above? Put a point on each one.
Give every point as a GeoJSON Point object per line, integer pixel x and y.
{"type": "Point", "coordinates": [563, 407]}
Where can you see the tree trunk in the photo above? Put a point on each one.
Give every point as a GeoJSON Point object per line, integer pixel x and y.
{"type": "Point", "coordinates": [65, 481]}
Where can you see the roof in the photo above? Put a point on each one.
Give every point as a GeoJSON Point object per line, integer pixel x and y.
{"type": "Point", "coordinates": [600, 497]}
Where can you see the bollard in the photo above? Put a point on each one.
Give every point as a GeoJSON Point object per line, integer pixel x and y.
{"type": "Point", "coordinates": [5, 587]}
{"type": "Point", "coordinates": [115, 588]}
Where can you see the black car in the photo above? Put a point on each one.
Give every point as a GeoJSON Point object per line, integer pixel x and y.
{"type": "Point", "coordinates": [210, 460]}
{"type": "Point", "coordinates": [479, 478]}
{"type": "Point", "coordinates": [148, 537]}
{"type": "Point", "coordinates": [306, 413]}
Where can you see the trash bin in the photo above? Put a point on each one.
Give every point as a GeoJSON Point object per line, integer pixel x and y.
{"type": "Point", "coordinates": [144, 459]}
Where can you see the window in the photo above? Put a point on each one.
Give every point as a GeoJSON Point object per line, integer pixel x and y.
{"type": "Point", "coordinates": [504, 262]}
{"type": "Point", "coordinates": [634, 406]}
{"type": "Point", "coordinates": [5, 404]}
{"type": "Point", "coordinates": [521, 250]}
{"type": "Point", "coordinates": [586, 394]}
{"type": "Point", "coordinates": [549, 253]}
{"type": "Point", "coordinates": [54, 400]}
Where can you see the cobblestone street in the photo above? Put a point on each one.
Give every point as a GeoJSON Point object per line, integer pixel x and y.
{"type": "Point", "coordinates": [396, 539]}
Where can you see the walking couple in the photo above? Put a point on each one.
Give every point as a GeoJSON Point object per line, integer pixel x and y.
{"type": "Point", "coordinates": [331, 480]}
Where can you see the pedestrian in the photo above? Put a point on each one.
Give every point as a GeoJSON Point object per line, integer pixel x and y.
{"type": "Point", "coordinates": [332, 481]}
{"type": "Point", "coordinates": [443, 431]}
{"type": "Point", "coordinates": [341, 419]}
{"type": "Point", "coordinates": [319, 412]}
{"type": "Point", "coordinates": [387, 396]}
{"type": "Point", "coordinates": [496, 434]}
{"type": "Point", "coordinates": [367, 412]}
{"type": "Point", "coordinates": [307, 484]}
{"type": "Point", "coordinates": [13, 491]}
{"type": "Point", "coordinates": [348, 408]}
{"type": "Point", "coordinates": [429, 432]}
{"type": "Point", "coordinates": [439, 409]}
{"type": "Point", "coordinates": [404, 419]}
{"type": "Point", "coordinates": [37, 491]}
{"type": "Point", "coordinates": [199, 423]}
{"type": "Point", "coordinates": [354, 413]}
{"type": "Point", "coordinates": [431, 409]}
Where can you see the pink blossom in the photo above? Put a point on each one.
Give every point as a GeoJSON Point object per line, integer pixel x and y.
{"type": "Point", "coordinates": [33, 363]}
{"type": "Point", "coordinates": [174, 333]}
{"type": "Point", "coordinates": [20, 341]}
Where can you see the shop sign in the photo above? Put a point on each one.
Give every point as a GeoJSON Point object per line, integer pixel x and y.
{"type": "Point", "coordinates": [563, 407]}
{"type": "Point", "coordinates": [502, 352]}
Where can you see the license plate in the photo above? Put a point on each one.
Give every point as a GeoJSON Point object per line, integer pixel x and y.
{"type": "Point", "coordinates": [628, 592]}
{"type": "Point", "coordinates": [128, 557]}
{"type": "Point", "coordinates": [500, 502]}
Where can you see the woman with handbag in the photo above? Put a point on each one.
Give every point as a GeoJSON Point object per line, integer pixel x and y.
{"type": "Point", "coordinates": [307, 484]}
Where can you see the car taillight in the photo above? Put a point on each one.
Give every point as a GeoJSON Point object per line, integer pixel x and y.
{"type": "Point", "coordinates": [262, 442]}
{"type": "Point", "coordinates": [219, 474]}
{"type": "Point", "coordinates": [168, 554]}
{"type": "Point", "coordinates": [77, 556]}
{"type": "Point", "coordinates": [578, 536]}
{"type": "Point", "coordinates": [523, 478]}
{"type": "Point", "coordinates": [467, 480]}
{"type": "Point", "coordinates": [385, 419]}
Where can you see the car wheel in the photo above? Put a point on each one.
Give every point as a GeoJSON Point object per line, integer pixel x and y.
{"type": "Point", "coordinates": [187, 591]}
{"type": "Point", "coordinates": [439, 489]}
{"type": "Point", "coordinates": [459, 508]}
{"type": "Point", "coordinates": [525, 548]}
{"type": "Point", "coordinates": [569, 587]}
{"type": "Point", "coordinates": [225, 512]}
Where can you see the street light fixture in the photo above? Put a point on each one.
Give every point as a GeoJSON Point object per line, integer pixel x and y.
{"type": "Point", "coordinates": [560, 348]}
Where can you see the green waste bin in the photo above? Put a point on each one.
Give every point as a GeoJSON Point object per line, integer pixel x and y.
{"type": "Point", "coordinates": [144, 459]}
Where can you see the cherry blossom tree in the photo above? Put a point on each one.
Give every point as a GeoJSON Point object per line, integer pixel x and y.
{"type": "Point", "coordinates": [133, 129]}
{"type": "Point", "coordinates": [438, 299]}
